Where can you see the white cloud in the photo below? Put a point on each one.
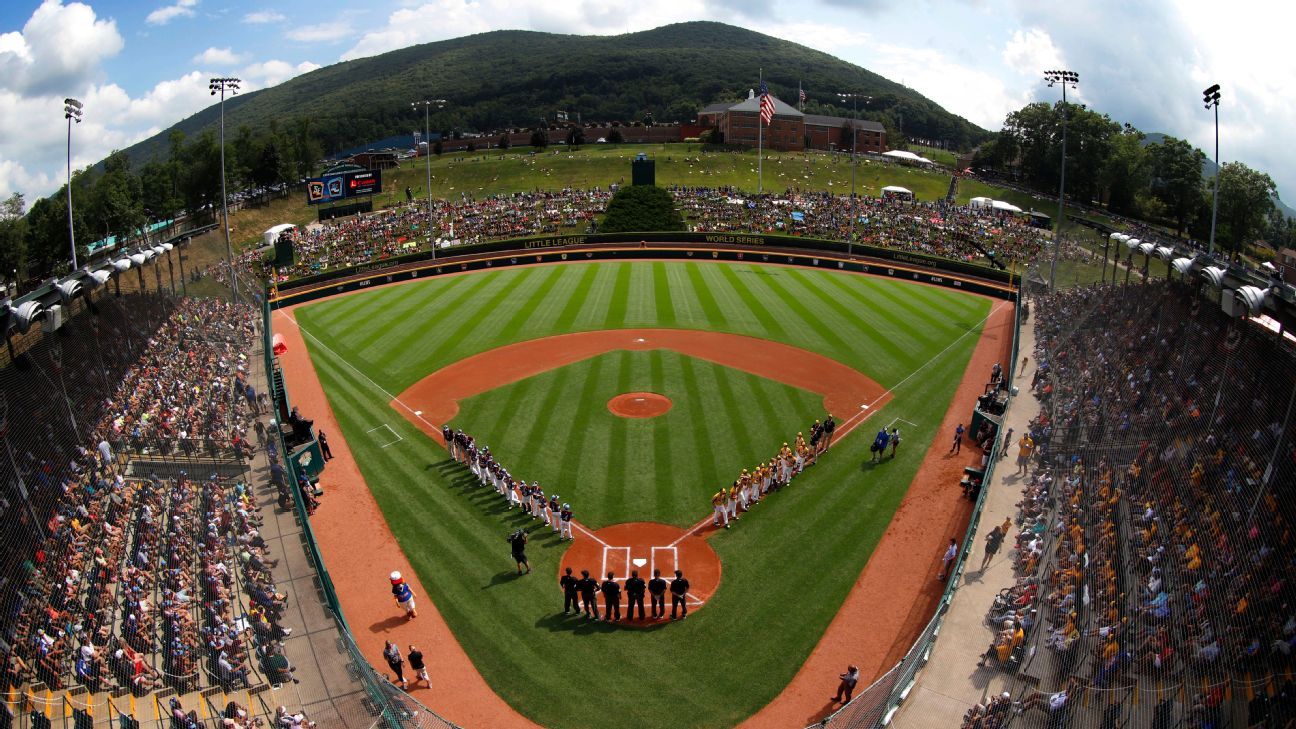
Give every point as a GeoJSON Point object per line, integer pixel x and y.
{"type": "Point", "coordinates": [220, 57]}
{"type": "Point", "coordinates": [167, 13]}
{"type": "Point", "coordinates": [1031, 52]}
{"type": "Point", "coordinates": [57, 48]}
{"type": "Point", "coordinates": [321, 32]}
{"type": "Point", "coordinates": [273, 73]}
{"type": "Point", "coordinates": [262, 17]}
{"type": "Point", "coordinates": [970, 91]}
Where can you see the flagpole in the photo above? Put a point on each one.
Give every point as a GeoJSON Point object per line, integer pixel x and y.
{"type": "Point", "coordinates": [760, 139]}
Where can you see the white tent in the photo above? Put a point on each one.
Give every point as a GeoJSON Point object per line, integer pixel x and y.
{"type": "Point", "coordinates": [900, 154]}
{"type": "Point", "coordinates": [897, 191]}
{"type": "Point", "coordinates": [272, 234]}
{"type": "Point", "coordinates": [1004, 206]}
{"type": "Point", "coordinates": [977, 203]}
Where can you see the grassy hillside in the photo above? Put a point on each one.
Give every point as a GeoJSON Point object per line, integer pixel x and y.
{"type": "Point", "coordinates": [669, 72]}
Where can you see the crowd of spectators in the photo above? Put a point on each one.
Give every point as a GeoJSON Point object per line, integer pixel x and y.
{"type": "Point", "coordinates": [1154, 540]}
{"type": "Point", "coordinates": [120, 581]}
{"type": "Point", "coordinates": [938, 228]}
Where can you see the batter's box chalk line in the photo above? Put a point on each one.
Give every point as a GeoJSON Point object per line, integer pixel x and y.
{"type": "Point", "coordinates": [396, 436]}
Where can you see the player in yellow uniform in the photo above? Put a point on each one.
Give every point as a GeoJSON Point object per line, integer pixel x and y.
{"type": "Point", "coordinates": [733, 501]}
{"type": "Point", "coordinates": [720, 502]}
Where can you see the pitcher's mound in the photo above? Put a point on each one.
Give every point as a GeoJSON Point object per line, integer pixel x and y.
{"type": "Point", "coordinates": [639, 405]}
{"type": "Point", "coordinates": [646, 546]}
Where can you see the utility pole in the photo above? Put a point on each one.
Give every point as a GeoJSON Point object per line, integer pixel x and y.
{"type": "Point", "coordinates": [427, 138]}
{"type": "Point", "coordinates": [215, 85]}
{"type": "Point", "coordinates": [72, 111]}
{"type": "Point", "coordinates": [1064, 78]}
{"type": "Point", "coordinates": [1211, 98]}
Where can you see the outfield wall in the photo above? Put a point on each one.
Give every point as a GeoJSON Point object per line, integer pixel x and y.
{"type": "Point", "coordinates": [746, 247]}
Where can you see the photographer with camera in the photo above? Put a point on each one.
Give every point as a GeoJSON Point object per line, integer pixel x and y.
{"type": "Point", "coordinates": [517, 542]}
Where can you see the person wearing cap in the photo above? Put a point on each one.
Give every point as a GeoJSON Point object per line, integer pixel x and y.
{"type": "Point", "coordinates": [733, 501]}
{"type": "Point", "coordinates": [566, 516]}
{"type": "Point", "coordinates": [403, 594]}
{"type": "Point", "coordinates": [284, 720]}
{"type": "Point", "coordinates": [517, 544]}
{"type": "Point", "coordinates": [847, 685]}
{"type": "Point", "coordinates": [555, 513]}
{"type": "Point", "coordinates": [720, 503]}
{"type": "Point", "coordinates": [324, 446]}
{"type": "Point", "coordinates": [894, 438]}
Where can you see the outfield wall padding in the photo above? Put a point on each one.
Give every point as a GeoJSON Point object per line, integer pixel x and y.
{"type": "Point", "coordinates": [746, 247]}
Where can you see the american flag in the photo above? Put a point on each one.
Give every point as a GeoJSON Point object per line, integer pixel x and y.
{"type": "Point", "coordinates": [802, 96]}
{"type": "Point", "coordinates": [766, 105]}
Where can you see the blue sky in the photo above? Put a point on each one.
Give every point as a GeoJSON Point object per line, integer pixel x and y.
{"type": "Point", "coordinates": [141, 66]}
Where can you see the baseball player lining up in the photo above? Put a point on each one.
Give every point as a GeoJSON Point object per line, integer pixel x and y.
{"type": "Point", "coordinates": [530, 498]}
{"type": "Point", "coordinates": [751, 487]}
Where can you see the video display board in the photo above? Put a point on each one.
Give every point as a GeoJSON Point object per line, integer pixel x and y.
{"type": "Point", "coordinates": [332, 188]}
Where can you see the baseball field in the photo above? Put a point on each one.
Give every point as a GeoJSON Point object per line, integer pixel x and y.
{"type": "Point", "coordinates": [535, 355]}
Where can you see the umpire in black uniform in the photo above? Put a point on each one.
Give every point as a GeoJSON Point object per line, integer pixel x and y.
{"type": "Point", "coordinates": [611, 599]}
{"type": "Point", "coordinates": [588, 587]}
{"type": "Point", "coordinates": [657, 588]}
{"type": "Point", "coordinates": [634, 588]}
{"type": "Point", "coordinates": [679, 594]}
{"type": "Point", "coordinates": [568, 584]}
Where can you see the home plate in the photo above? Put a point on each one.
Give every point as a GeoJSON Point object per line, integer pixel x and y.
{"type": "Point", "coordinates": [639, 561]}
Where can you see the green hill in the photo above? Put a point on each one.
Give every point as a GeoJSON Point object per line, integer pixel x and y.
{"type": "Point", "coordinates": [514, 78]}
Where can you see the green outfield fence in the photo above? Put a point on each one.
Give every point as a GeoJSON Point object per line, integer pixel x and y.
{"type": "Point", "coordinates": [874, 706]}
{"type": "Point", "coordinates": [382, 704]}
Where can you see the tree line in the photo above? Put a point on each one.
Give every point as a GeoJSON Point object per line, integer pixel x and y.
{"type": "Point", "coordinates": [115, 199]}
{"type": "Point", "coordinates": [1113, 164]}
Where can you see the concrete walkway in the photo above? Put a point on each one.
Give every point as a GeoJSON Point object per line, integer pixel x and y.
{"type": "Point", "coordinates": [951, 682]}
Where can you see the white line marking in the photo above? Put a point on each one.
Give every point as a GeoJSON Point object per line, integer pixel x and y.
{"type": "Point", "coordinates": [603, 572]}
{"type": "Point", "coordinates": [688, 532]}
{"type": "Point", "coordinates": [576, 525]}
{"type": "Point", "coordinates": [389, 430]}
{"type": "Point", "coordinates": [928, 363]}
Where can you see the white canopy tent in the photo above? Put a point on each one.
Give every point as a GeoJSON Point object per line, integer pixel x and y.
{"type": "Point", "coordinates": [897, 191]}
{"type": "Point", "coordinates": [272, 234]}
{"type": "Point", "coordinates": [1004, 206]}
{"type": "Point", "coordinates": [901, 155]}
{"type": "Point", "coordinates": [977, 203]}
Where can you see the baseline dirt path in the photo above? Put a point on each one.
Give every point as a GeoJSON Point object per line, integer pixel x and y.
{"type": "Point", "coordinates": [359, 550]}
{"type": "Point", "coordinates": [897, 592]}
{"type": "Point", "coordinates": [436, 397]}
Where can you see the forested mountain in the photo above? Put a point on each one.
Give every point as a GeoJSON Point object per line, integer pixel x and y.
{"type": "Point", "coordinates": [515, 78]}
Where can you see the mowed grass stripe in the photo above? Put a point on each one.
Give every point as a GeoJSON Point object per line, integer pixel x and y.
{"type": "Point", "coordinates": [663, 462]}
{"type": "Point", "coordinates": [688, 310]}
{"type": "Point", "coordinates": [710, 309]}
{"type": "Point", "coordinates": [474, 326]}
{"type": "Point", "coordinates": [620, 303]}
{"type": "Point", "coordinates": [573, 438]}
{"type": "Point", "coordinates": [809, 317]}
{"type": "Point", "coordinates": [892, 309]}
{"type": "Point", "coordinates": [534, 303]}
{"type": "Point", "coordinates": [394, 311]}
{"type": "Point", "coordinates": [765, 320]}
{"type": "Point", "coordinates": [595, 307]}
{"type": "Point", "coordinates": [831, 310]}
{"type": "Point", "coordinates": [661, 289]}
{"type": "Point", "coordinates": [576, 296]}
{"type": "Point", "coordinates": [455, 308]}
{"type": "Point", "coordinates": [617, 477]}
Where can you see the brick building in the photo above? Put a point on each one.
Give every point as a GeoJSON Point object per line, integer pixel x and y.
{"type": "Point", "coordinates": [790, 130]}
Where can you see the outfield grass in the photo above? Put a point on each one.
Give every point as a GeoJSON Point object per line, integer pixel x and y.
{"type": "Point", "coordinates": [787, 568]}
{"type": "Point", "coordinates": [665, 468]}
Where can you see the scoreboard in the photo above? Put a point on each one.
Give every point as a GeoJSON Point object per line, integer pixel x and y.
{"type": "Point", "coordinates": [332, 188]}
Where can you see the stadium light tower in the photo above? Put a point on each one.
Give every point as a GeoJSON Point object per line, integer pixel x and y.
{"type": "Point", "coordinates": [854, 97]}
{"type": "Point", "coordinates": [1064, 78]}
{"type": "Point", "coordinates": [221, 85]}
{"type": "Point", "coordinates": [1211, 98]}
{"type": "Point", "coordinates": [71, 112]}
{"type": "Point", "coordinates": [427, 105]}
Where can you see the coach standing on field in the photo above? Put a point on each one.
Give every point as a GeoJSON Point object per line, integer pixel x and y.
{"type": "Point", "coordinates": [634, 588]}
{"type": "Point", "coordinates": [657, 588]}
{"type": "Point", "coordinates": [679, 588]}
{"type": "Point", "coordinates": [568, 584]}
